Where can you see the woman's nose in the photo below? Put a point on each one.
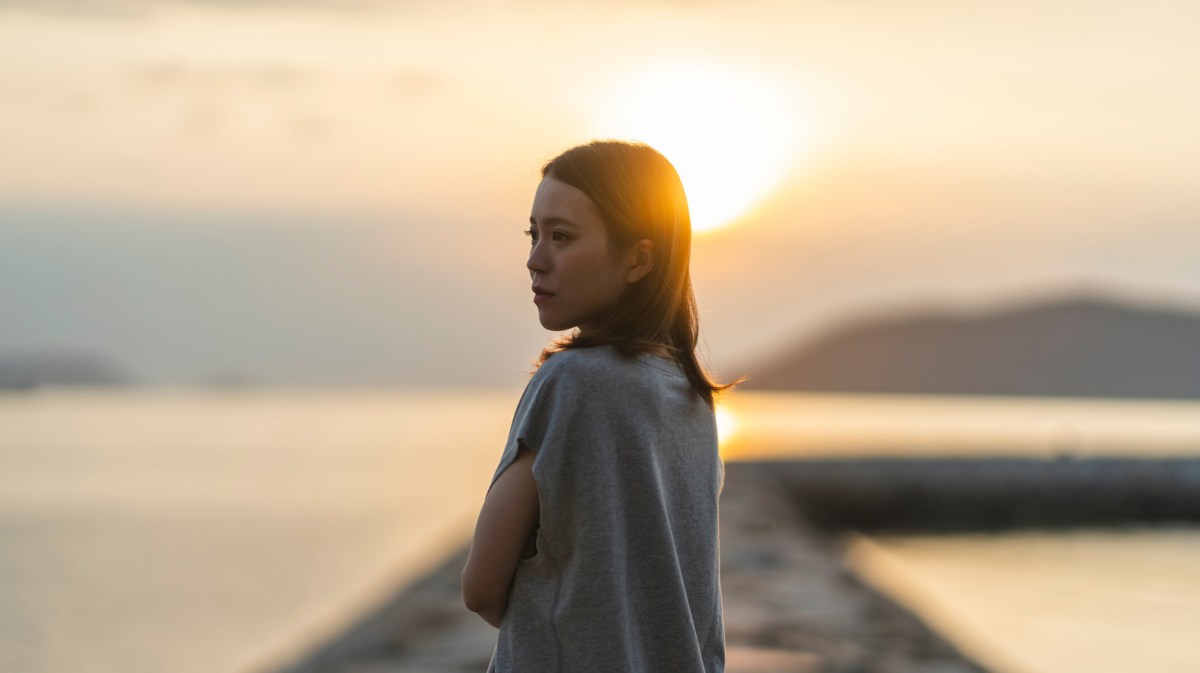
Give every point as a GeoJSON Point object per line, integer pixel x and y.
{"type": "Point", "coordinates": [536, 262]}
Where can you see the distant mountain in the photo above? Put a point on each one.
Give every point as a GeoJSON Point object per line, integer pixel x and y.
{"type": "Point", "coordinates": [1079, 346]}
{"type": "Point", "coordinates": [28, 370]}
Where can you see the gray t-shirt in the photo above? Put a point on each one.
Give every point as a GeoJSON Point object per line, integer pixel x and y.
{"type": "Point", "coordinates": [626, 574]}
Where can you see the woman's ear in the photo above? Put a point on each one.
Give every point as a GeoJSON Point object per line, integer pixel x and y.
{"type": "Point", "coordinates": [641, 260]}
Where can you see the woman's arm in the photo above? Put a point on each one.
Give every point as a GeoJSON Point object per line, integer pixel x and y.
{"type": "Point", "coordinates": [507, 520]}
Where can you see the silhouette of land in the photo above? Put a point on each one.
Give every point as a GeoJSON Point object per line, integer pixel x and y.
{"type": "Point", "coordinates": [1078, 346]}
{"type": "Point", "coordinates": [1081, 346]}
{"type": "Point", "coordinates": [23, 371]}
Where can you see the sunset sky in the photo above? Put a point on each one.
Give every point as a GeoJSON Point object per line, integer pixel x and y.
{"type": "Point", "coordinates": [334, 192]}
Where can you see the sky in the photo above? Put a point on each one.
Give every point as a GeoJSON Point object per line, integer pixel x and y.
{"type": "Point", "coordinates": [334, 193]}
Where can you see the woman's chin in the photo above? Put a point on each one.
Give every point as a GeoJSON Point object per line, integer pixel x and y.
{"type": "Point", "coordinates": [549, 323]}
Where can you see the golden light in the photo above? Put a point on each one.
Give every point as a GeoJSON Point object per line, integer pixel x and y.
{"type": "Point", "coordinates": [729, 133]}
{"type": "Point", "coordinates": [726, 425]}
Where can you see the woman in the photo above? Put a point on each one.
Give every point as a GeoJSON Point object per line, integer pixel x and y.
{"type": "Point", "coordinates": [596, 548]}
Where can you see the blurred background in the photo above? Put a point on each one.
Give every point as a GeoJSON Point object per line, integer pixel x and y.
{"type": "Point", "coordinates": [264, 314]}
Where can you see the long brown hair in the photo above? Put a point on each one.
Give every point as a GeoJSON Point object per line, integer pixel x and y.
{"type": "Point", "coordinates": [639, 196]}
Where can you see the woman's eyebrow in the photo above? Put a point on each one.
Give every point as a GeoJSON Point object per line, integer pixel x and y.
{"type": "Point", "coordinates": [551, 221]}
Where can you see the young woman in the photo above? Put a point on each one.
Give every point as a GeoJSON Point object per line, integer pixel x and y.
{"type": "Point", "coordinates": [596, 549]}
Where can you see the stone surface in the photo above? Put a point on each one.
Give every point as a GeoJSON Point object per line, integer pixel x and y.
{"type": "Point", "coordinates": [791, 606]}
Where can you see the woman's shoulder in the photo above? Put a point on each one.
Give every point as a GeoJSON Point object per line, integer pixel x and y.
{"type": "Point", "coordinates": [606, 364]}
{"type": "Point", "coordinates": [585, 362]}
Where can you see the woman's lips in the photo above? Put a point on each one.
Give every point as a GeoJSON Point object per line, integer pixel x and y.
{"type": "Point", "coordinates": [540, 294]}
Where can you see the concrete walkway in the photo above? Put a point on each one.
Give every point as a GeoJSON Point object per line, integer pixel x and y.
{"type": "Point", "coordinates": [791, 606]}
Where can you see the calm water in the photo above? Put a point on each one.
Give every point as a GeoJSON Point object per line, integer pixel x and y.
{"type": "Point", "coordinates": [196, 532]}
{"type": "Point", "coordinates": [1081, 601]}
{"type": "Point", "coordinates": [218, 532]}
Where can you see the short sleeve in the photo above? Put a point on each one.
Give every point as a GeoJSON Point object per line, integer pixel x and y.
{"type": "Point", "coordinates": [566, 419]}
{"type": "Point", "coordinates": [547, 412]}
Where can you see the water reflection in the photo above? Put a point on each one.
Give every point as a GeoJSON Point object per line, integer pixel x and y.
{"type": "Point", "coordinates": [771, 425]}
{"type": "Point", "coordinates": [1085, 601]}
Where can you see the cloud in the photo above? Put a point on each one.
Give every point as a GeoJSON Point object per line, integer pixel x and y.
{"type": "Point", "coordinates": [99, 9]}
{"type": "Point", "coordinates": [413, 82]}
{"type": "Point", "coordinates": [140, 9]}
{"type": "Point", "coordinates": [168, 75]}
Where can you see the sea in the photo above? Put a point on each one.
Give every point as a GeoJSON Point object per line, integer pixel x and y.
{"type": "Point", "coordinates": [226, 530]}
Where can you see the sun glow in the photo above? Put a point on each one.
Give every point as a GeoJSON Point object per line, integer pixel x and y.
{"type": "Point", "coordinates": [729, 133]}
{"type": "Point", "coordinates": [726, 425]}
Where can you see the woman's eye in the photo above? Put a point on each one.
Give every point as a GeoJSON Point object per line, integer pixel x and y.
{"type": "Point", "coordinates": [554, 235]}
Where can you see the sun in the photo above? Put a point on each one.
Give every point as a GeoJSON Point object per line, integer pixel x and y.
{"type": "Point", "coordinates": [729, 133]}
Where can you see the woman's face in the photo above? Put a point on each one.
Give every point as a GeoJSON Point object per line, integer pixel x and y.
{"type": "Point", "coordinates": [577, 281]}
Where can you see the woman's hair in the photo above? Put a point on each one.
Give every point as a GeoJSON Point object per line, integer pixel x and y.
{"type": "Point", "coordinates": [639, 196]}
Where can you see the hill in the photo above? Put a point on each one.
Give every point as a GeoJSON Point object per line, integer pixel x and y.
{"type": "Point", "coordinates": [1080, 346]}
{"type": "Point", "coordinates": [50, 367]}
